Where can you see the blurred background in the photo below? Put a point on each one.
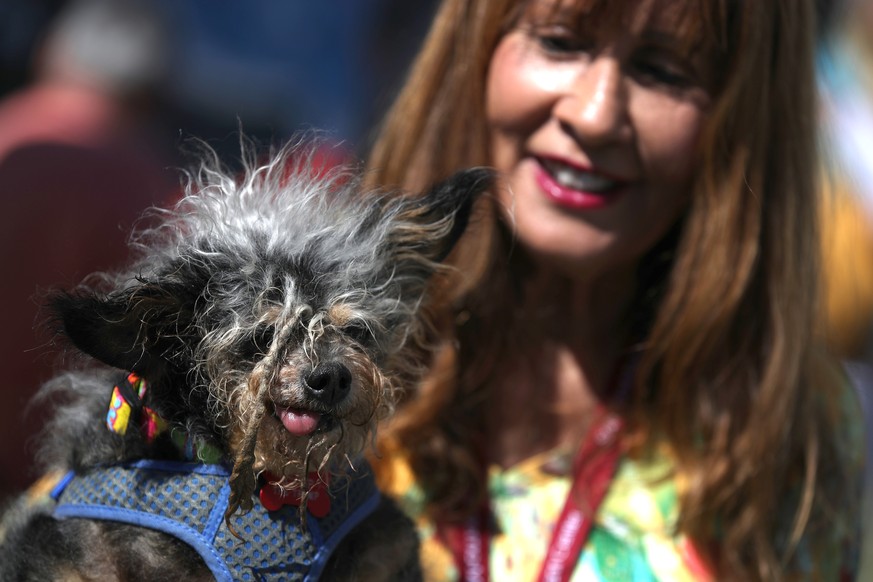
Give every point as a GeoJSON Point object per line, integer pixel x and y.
{"type": "Point", "coordinates": [845, 72]}
{"type": "Point", "coordinates": [98, 99]}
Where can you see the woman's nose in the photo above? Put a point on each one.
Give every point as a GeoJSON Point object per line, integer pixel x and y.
{"type": "Point", "coordinates": [594, 107]}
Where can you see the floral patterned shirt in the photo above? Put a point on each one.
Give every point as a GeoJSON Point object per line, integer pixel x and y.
{"type": "Point", "coordinates": [634, 537]}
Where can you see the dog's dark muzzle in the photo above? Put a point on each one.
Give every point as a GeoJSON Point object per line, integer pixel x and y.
{"type": "Point", "coordinates": [329, 383]}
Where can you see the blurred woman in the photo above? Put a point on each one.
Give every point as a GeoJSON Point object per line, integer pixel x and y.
{"type": "Point", "coordinates": [627, 382]}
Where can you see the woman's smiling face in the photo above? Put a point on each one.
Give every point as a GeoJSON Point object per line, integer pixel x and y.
{"type": "Point", "coordinates": [594, 124]}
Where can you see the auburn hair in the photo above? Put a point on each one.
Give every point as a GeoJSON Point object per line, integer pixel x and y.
{"type": "Point", "coordinates": [731, 373]}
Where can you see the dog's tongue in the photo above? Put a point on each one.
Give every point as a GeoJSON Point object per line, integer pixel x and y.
{"type": "Point", "coordinates": [299, 422]}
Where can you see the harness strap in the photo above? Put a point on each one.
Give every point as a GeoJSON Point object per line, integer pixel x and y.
{"type": "Point", "coordinates": [188, 501]}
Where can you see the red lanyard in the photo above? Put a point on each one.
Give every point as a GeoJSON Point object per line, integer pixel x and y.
{"type": "Point", "coordinates": [595, 466]}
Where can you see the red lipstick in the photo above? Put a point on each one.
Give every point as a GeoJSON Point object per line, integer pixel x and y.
{"type": "Point", "coordinates": [571, 197]}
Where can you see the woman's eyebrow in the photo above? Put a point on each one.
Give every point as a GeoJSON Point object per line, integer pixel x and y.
{"type": "Point", "coordinates": [686, 42]}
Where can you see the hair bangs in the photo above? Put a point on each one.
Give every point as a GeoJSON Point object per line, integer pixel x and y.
{"type": "Point", "coordinates": [696, 25]}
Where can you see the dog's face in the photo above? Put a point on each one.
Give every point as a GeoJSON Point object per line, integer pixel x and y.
{"type": "Point", "coordinates": [275, 314]}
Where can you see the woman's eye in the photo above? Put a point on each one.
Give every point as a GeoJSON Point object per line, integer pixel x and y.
{"type": "Point", "coordinates": [558, 44]}
{"type": "Point", "coordinates": [559, 40]}
{"type": "Point", "coordinates": [663, 71]}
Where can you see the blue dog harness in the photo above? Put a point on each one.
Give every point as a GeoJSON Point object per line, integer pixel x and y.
{"type": "Point", "coordinates": [188, 501]}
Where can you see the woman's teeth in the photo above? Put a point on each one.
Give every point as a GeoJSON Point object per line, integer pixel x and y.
{"type": "Point", "coordinates": [575, 179]}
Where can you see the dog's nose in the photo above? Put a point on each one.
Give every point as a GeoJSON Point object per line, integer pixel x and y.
{"type": "Point", "coordinates": [329, 383]}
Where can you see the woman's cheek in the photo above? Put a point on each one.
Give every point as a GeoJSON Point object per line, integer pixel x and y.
{"type": "Point", "coordinates": [522, 84]}
{"type": "Point", "coordinates": [668, 131]}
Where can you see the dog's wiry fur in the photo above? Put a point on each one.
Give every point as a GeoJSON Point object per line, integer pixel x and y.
{"type": "Point", "coordinates": [259, 296]}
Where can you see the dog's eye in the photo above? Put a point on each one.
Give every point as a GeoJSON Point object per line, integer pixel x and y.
{"type": "Point", "coordinates": [263, 337]}
{"type": "Point", "coordinates": [358, 331]}
{"type": "Point", "coordinates": [258, 343]}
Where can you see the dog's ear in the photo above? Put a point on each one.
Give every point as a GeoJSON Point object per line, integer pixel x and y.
{"type": "Point", "coordinates": [136, 329]}
{"type": "Point", "coordinates": [443, 213]}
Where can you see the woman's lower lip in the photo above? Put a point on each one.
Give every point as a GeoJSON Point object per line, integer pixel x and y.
{"type": "Point", "coordinates": [570, 198]}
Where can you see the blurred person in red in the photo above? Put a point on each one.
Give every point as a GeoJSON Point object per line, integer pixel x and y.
{"type": "Point", "coordinates": [80, 159]}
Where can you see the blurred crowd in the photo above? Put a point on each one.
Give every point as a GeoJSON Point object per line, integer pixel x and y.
{"type": "Point", "coordinates": [99, 97]}
{"type": "Point", "coordinates": [845, 65]}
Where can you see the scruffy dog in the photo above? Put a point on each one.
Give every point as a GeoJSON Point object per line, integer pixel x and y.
{"type": "Point", "coordinates": [238, 370]}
